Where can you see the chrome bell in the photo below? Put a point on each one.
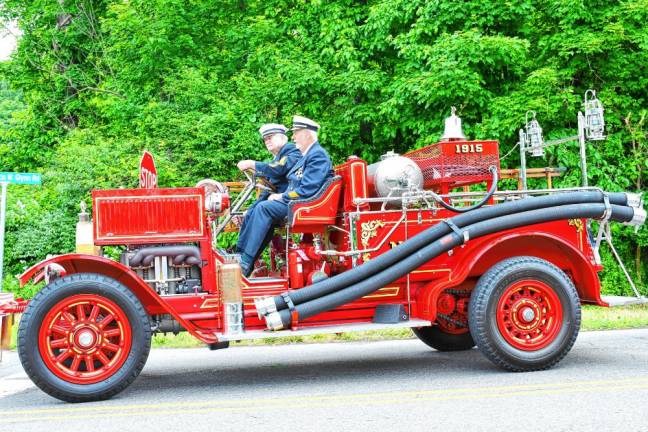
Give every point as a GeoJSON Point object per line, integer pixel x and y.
{"type": "Point", "coordinates": [453, 130]}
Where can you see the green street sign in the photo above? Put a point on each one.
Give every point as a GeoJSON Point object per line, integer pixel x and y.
{"type": "Point", "coordinates": [20, 178]}
{"type": "Point", "coordinates": [7, 178]}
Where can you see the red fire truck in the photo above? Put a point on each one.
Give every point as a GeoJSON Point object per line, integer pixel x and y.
{"type": "Point", "coordinates": [387, 245]}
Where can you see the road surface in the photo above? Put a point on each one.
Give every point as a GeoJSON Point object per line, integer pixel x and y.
{"type": "Point", "coordinates": [602, 385]}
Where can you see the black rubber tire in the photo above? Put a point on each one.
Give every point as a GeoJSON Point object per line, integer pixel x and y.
{"type": "Point", "coordinates": [482, 317]}
{"type": "Point", "coordinates": [48, 297]}
{"type": "Point", "coordinates": [441, 341]}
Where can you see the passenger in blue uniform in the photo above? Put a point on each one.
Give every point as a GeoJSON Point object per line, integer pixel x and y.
{"type": "Point", "coordinates": [272, 174]}
{"type": "Point", "coordinates": [304, 180]}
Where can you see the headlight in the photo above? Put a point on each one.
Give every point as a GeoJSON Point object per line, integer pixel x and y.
{"type": "Point", "coordinates": [216, 196]}
{"type": "Point", "coordinates": [217, 202]}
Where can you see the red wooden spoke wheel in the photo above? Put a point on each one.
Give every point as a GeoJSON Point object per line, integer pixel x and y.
{"type": "Point", "coordinates": [524, 314]}
{"type": "Point", "coordinates": [85, 338]}
{"type": "Point", "coordinates": [529, 314]}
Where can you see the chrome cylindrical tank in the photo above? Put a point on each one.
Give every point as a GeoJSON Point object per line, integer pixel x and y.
{"type": "Point", "coordinates": [394, 175]}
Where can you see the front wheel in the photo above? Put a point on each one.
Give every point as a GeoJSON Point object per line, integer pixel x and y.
{"type": "Point", "coordinates": [84, 337]}
{"type": "Point", "coordinates": [524, 314]}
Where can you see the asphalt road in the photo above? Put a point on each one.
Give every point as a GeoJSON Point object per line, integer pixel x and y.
{"type": "Point", "coordinates": [602, 385]}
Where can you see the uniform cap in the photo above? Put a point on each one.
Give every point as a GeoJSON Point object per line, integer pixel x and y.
{"type": "Point", "coordinates": [271, 129]}
{"type": "Point", "coordinates": [300, 122]}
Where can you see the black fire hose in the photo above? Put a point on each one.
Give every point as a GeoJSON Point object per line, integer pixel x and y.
{"type": "Point", "coordinates": [489, 194]}
{"type": "Point", "coordinates": [282, 319]}
{"type": "Point", "coordinates": [431, 234]}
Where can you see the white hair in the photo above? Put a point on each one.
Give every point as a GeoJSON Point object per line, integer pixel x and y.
{"type": "Point", "coordinates": [282, 137]}
{"type": "Point", "coordinates": [312, 134]}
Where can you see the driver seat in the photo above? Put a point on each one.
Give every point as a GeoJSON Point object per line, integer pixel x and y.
{"type": "Point", "coordinates": [314, 214]}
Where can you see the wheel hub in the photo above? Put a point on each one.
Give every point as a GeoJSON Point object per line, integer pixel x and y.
{"type": "Point", "coordinates": [529, 315]}
{"type": "Point", "coordinates": [85, 338]}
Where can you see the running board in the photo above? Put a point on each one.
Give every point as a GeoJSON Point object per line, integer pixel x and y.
{"type": "Point", "coordinates": [615, 301]}
{"type": "Point", "coordinates": [263, 334]}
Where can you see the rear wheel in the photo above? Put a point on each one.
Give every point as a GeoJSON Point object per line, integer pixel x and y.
{"type": "Point", "coordinates": [524, 314]}
{"type": "Point", "coordinates": [440, 340]}
{"type": "Point", "coordinates": [450, 333]}
{"type": "Point", "coordinates": [84, 337]}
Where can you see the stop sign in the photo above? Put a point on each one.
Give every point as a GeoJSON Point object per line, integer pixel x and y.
{"type": "Point", "coordinates": [148, 173]}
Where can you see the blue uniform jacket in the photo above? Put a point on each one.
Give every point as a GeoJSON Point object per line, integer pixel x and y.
{"type": "Point", "coordinates": [277, 170]}
{"type": "Point", "coordinates": [308, 174]}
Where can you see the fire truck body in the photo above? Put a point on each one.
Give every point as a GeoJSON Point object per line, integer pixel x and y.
{"type": "Point", "coordinates": [171, 265]}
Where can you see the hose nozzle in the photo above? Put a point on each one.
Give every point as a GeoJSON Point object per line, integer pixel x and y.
{"type": "Point", "coordinates": [265, 306]}
{"type": "Point", "coordinates": [273, 321]}
{"type": "Point", "coordinates": [638, 219]}
{"type": "Point", "coordinates": [635, 200]}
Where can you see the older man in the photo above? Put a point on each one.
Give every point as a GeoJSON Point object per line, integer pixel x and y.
{"type": "Point", "coordinates": [274, 172]}
{"type": "Point", "coordinates": [304, 180]}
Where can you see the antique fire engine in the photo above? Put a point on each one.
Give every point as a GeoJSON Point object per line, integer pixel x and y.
{"type": "Point", "coordinates": [403, 242]}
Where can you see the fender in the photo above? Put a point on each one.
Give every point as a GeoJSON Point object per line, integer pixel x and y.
{"type": "Point", "coordinates": [488, 251]}
{"type": "Point", "coordinates": [81, 263]}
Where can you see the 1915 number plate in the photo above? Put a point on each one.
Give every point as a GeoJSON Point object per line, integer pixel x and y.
{"type": "Point", "coordinates": [469, 148]}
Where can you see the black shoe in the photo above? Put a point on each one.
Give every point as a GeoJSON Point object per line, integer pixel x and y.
{"type": "Point", "coordinates": [246, 265]}
{"type": "Point", "coordinates": [246, 271]}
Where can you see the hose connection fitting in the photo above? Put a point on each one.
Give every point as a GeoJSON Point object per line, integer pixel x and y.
{"type": "Point", "coordinates": [638, 219]}
{"type": "Point", "coordinates": [635, 200]}
{"type": "Point", "coordinates": [265, 306]}
{"type": "Point", "coordinates": [273, 321]}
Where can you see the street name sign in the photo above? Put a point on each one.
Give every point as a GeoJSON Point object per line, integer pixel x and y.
{"type": "Point", "coordinates": [20, 178]}
{"type": "Point", "coordinates": [7, 178]}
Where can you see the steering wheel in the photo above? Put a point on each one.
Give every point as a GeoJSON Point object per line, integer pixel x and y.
{"type": "Point", "coordinates": [248, 175]}
{"type": "Point", "coordinates": [261, 186]}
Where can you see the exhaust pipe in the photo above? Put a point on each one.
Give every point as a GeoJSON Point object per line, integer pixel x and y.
{"type": "Point", "coordinates": [145, 256]}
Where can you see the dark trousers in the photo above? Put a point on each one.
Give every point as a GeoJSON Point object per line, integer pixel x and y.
{"type": "Point", "coordinates": [258, 226]}
{"type": "Point", "coordinates": [244, 232]}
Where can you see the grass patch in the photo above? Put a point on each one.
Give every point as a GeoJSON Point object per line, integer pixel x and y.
{"type": "Point", "coordinates": [185, 340]}
{"type": "Point", "coordinates": [594, 318]}
{"type": "Point", "coordinates": [599, 318]}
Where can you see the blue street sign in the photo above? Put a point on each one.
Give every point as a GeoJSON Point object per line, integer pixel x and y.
{"type": "Point", "coordinates": [20, 178]}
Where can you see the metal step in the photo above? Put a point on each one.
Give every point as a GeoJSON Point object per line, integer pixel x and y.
{"type": "Point", "coordinates": [615, 301]}
{"type": "Point", "coordinates": [262, 334]}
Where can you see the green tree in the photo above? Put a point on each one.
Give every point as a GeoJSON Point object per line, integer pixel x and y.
{"type": "Point", "coordinates": [94, 82]}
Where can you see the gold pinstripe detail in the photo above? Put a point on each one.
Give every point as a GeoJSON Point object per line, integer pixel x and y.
{"type": "Point", "coordinates": [314, 206]}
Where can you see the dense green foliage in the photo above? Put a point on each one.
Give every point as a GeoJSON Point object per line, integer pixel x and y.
{"type": "Point", "coordinates": [191, 80]}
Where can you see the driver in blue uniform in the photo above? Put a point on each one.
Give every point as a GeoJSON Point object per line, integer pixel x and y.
{"type": "Point", "coordinates": [304, 180]}
{"type": "Point", "coordinates": [272, 174]}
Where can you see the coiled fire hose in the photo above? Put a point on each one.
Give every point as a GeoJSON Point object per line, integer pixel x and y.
{"type": "Point", "coordinates": [489, 194]}
{"type": "Point", "coordinates": [384, 261]}
{"type": "Point", "coordinates": [456, 237]}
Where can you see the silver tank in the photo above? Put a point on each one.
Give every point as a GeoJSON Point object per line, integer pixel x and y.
{"type": "Point", "coordinates": [394, 175]}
